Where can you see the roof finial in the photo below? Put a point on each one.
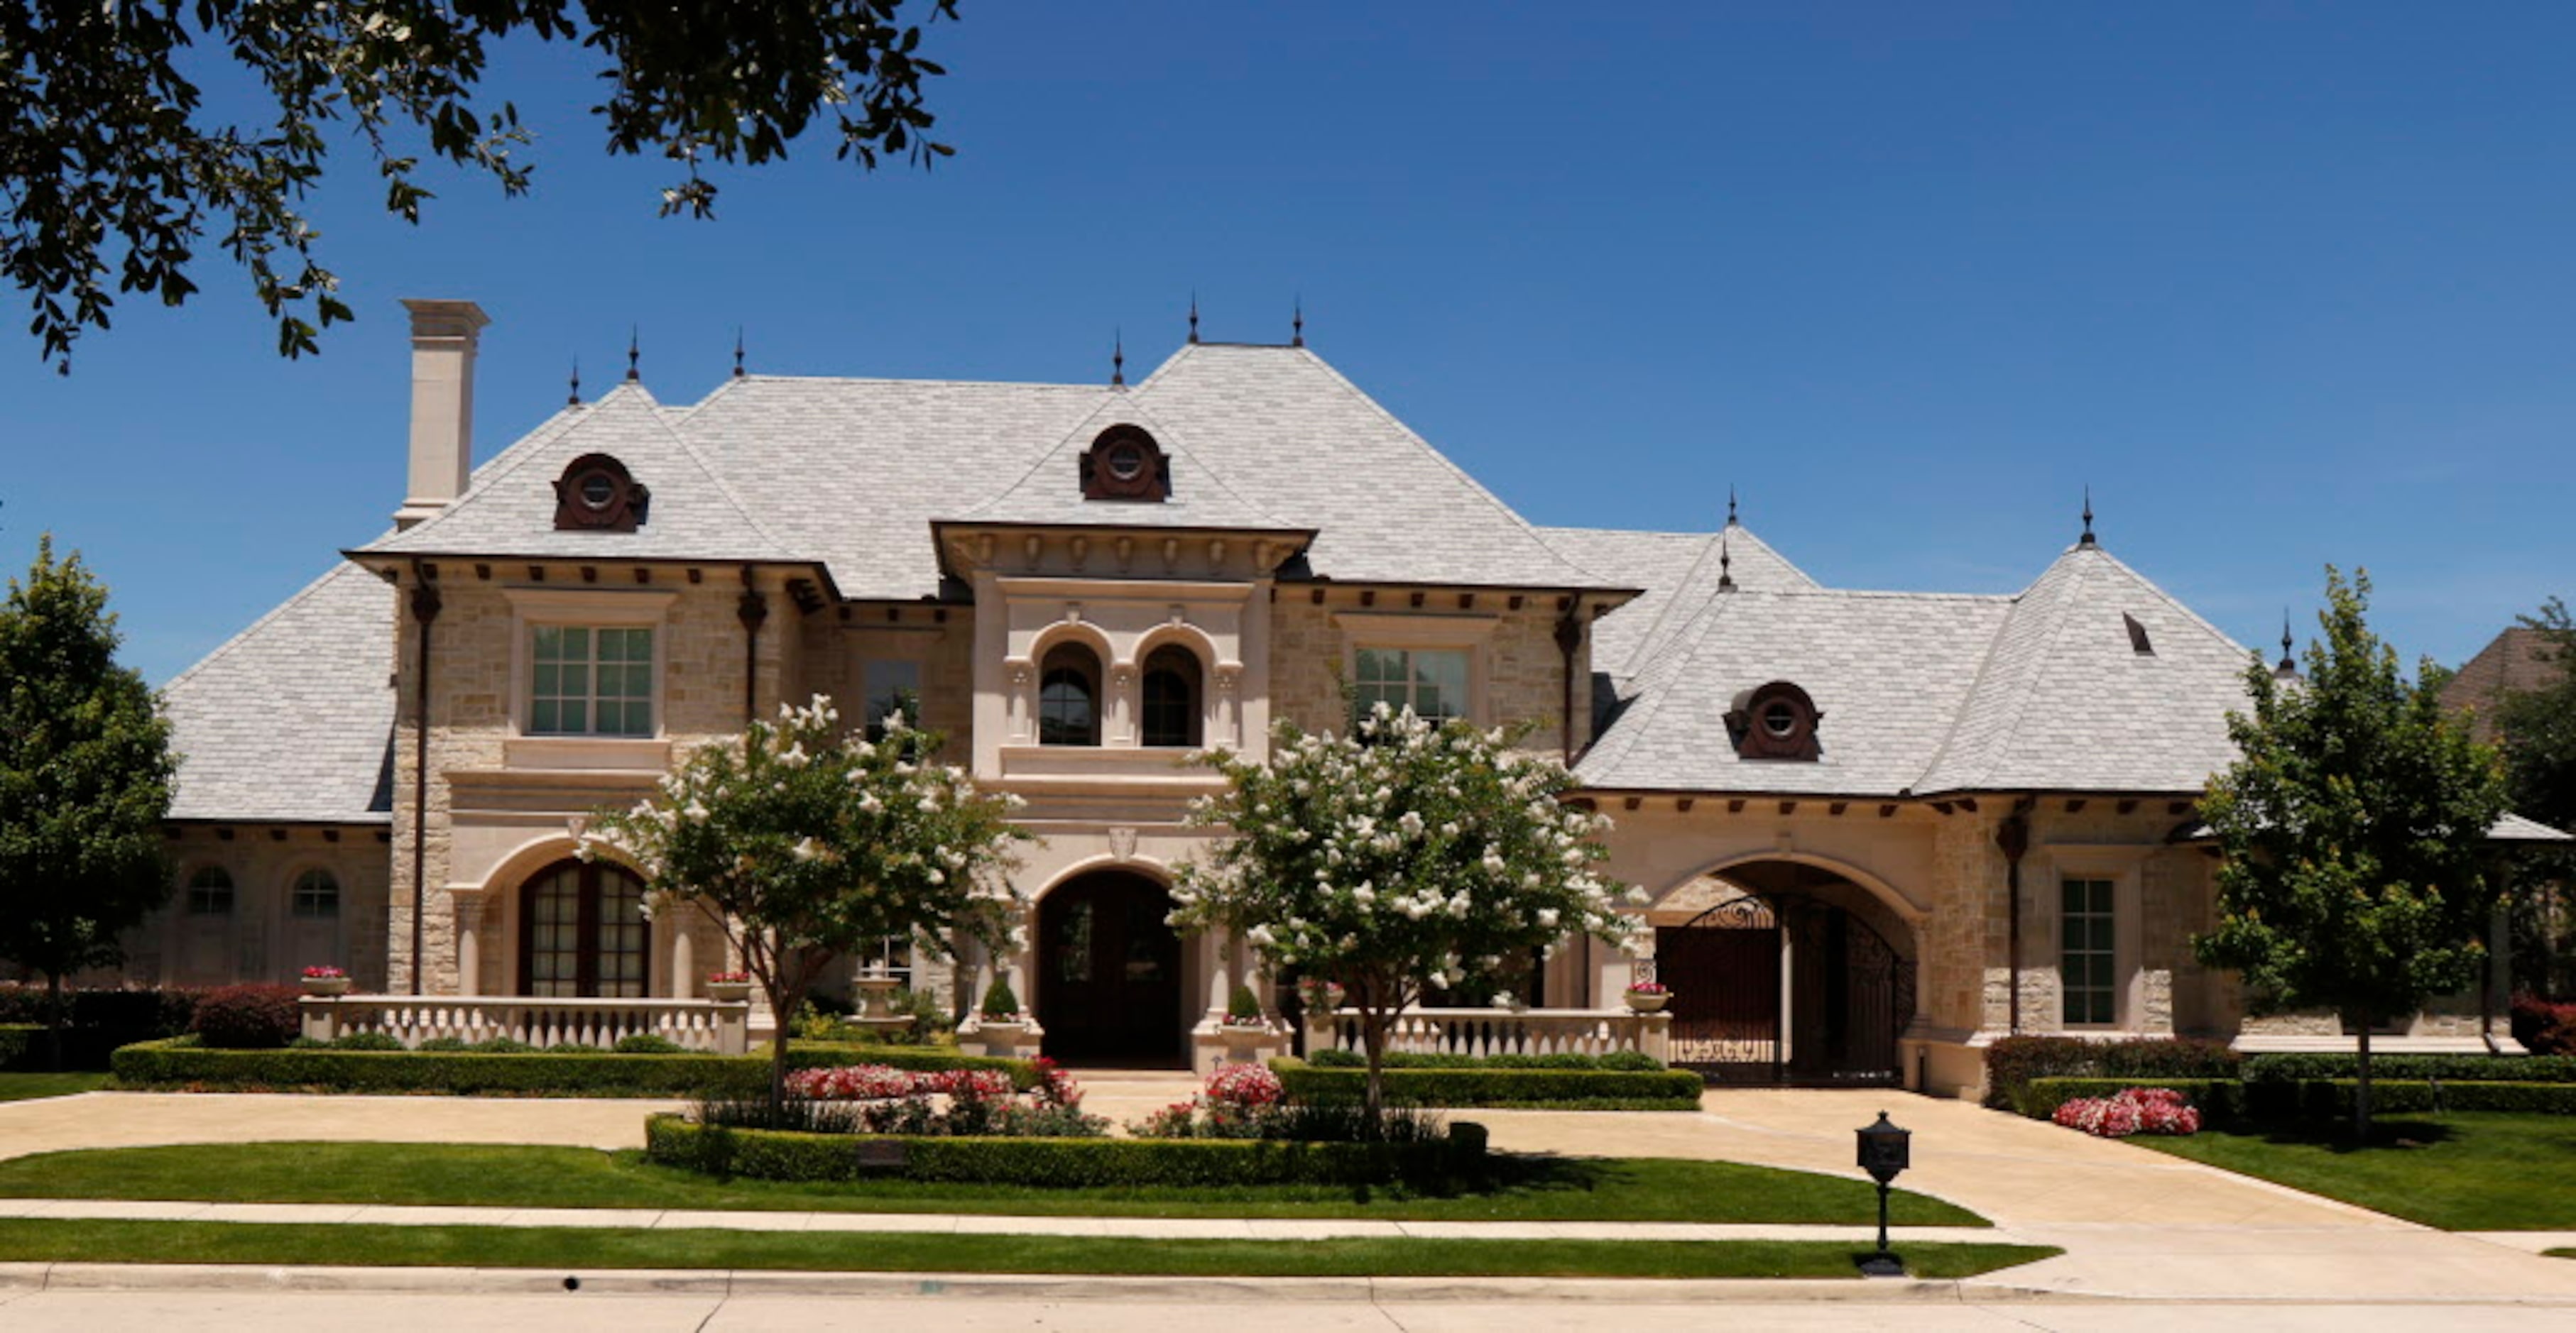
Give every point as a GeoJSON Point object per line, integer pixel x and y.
{"type": "Point", "coordinates": [575, 399]}
{"type": "Point", "coordinates": [1118, 360]}
{"type": "Point", "coordinates": [1297, 324]}
{"type": "Point", "coordinates": [634, 352]}
{"type": "Point", "coordinates": [1730, 504]}
{"type": "Point", "coordinates": [2288, 666]}
{"type": "Point", "coordinates": [1194, 317]}
{"type": "Point", "coordinates": [2087, 538]}
{"type": "Point", "coordinates": [1725, 565]}
{"type": "Point", "coordinates": [737, 351]}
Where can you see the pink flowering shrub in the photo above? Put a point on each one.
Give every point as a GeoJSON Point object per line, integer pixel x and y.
{"type": "Point", "coordinates": [979, 1101]}
{"type": "Point", "coordinates": [1237, 1102]}
{"type": "Point", "coordinates": [2131, 1111]}
{"type": "Point", "coordinates": [1246, 1086]}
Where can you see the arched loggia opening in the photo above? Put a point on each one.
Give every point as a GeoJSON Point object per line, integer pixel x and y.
{"type": "Point", "coordinates": [1109, 972]}
{"type": "Point", "coordinates": [1785, 973]}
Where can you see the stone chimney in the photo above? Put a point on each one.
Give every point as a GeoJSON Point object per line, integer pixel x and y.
{"type": "Point", "coordinates": [443, 338]}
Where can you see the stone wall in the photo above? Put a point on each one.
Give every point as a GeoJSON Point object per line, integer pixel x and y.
{"type": "Point", "coordinates": [1519, 668]}
{"type": "Point", "coordinates": [261, 940]}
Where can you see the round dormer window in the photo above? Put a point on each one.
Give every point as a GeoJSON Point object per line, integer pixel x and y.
{"type": "Point", "coordinates": [598, 490]}
{"type": "Point", "coordinates": [1780, 718]}
{"type": "Point", "coordinates": [1126, 461]}
{"type": "Point", "coordinates": [1775, 721]}
{"type": "Point", "coordinates": [596, 493]}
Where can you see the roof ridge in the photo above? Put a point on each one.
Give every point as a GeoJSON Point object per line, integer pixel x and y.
{"type": "Point", "coordinates": [2170, 600]}
{"type": "Point", "coordinates": [1649, 680]}
{"type": "Point", "coordinates": [2020, 702]}
{"type": "Point", "coordinates": [716, 476]}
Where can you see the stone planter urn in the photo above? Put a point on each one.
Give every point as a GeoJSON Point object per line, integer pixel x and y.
{"type": "Point", "coordinates": [326, 986]}
{"type": "Point", "coordinates": [1648, 1002]}
{"type": "Point", "coordinates": [1016, 1035]}
{"type": "Point", "coordinates": [728, 992]}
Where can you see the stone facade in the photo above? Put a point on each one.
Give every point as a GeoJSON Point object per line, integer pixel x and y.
{"type": "Point", "coordinates": [262, 938]}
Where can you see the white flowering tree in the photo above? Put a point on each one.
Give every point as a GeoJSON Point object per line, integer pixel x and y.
{"type": "Point", "coordinates": [807, 842]}
{"type": "Point", "coordinates": [1402, 856]}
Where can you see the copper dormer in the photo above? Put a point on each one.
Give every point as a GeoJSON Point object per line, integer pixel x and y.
{"type": "Point", "coordinates": [1774, 721]}
{"type": "Point", "coordinates": [597, 494]}
{"type": "Point", "coordinates": [1124, 463]}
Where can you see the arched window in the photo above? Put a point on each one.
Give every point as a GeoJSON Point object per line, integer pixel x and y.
{"type": "Point", "coordinates": [210, 892]}
{"type": "Point", "coordinates": [1172, 714]}
{"type": "Point", "coordinates": [316, 894]}
{"type": "Point", "coordinates": [582, 932]}
{"type": "Point", "coordinates": [1069, 696]}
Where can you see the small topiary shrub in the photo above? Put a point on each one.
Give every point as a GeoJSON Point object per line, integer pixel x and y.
{"type": "Point", "coordinates": [253, 1017]}
{"type": "Point", "coordinates": [367, 1041]}
{"type": "Point", "coordinates": [1243, 1006]}
{"type": "Point", "coordinates": [646, 1043]}
{"type": "Point", "coordinates": [1000, 1001]}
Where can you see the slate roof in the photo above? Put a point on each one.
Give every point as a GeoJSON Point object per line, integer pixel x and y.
{"type": "Point", "coordinates": [1050, 491]}
{"type": "Point", "coordinates": [1927, 693]}
{"type": "Point", "coordinates": [1678, 571]}
{"type": "Point", "coordinates": [292, 719]}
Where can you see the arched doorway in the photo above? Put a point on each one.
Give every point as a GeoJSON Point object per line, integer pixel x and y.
{"type": "Point", "coordinates": [582, 933]}
{"type": "Point", "coordinates": [1109, 971]}
{"type": "Point", "coordinates": [1785, 973]}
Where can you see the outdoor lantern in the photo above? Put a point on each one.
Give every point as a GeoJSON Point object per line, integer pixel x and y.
{"type": "Point", "coordinates": [1885, 1150]}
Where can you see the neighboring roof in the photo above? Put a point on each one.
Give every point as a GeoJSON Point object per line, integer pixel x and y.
{"type": "Point", "coordinates": [1925, 693]}
{"type": "Point", "coordinates": [1678, 571]}
{"type": "Point", "coordinates": [292, 720]}
{"type": "Point", "coordinates": [2519, 659]}
{"type": "Point", "coordinates": [510, 507]}
{"type": "Point", "coordinates": [2066, 702]}
{"type": "Point", "coordinates": [2508, 828]}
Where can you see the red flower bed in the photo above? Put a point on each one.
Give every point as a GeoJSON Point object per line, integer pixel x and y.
{"type": "Point", "coordinates": [2131, 1111]}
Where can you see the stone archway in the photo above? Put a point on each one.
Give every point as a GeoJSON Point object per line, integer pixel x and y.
{"type": "Point", "coordinates": [1785, 972]}
{"type": "Point", "coordinates": [1108, 984]}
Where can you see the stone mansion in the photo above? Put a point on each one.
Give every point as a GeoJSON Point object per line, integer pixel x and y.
{"type": "Point", "coordinates": [1879, 829]}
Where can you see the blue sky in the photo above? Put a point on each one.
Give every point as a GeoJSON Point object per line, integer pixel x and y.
{"type": "Point", "coordinates": [2284, 284]}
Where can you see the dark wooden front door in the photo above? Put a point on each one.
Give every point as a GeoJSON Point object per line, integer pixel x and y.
{"type": "Point", "coordinates": [582, 933]}
{"type": "Point", "coordinates": [1109, 972]}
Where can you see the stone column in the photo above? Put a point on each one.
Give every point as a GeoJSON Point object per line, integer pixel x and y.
{"type": "Point", "coordinates": [684, 960]}
{"type": "Point", "coordinates": [469, 942]}
{"type": "Point", "coordinates": [1220, 948]}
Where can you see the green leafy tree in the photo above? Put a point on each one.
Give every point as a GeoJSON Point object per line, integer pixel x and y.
{"type": "Point", "coordinates": [2536, 729]}
{"type": "Point", "coordinates": [85, 778]}
{"type": "Point", "coordinates": [808, 842]}
{"type": "Point", "coordinates": [114, 170]}
{"type": "Point", "coordinates": [2354, 822]}
{"type": "Point", "coordinates": [1403, 856]}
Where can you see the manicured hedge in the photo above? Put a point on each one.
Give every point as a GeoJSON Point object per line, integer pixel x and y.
{"type": "Point", "coordinates": [2224, 1101]}
{"type": "Point", "coordinates": [1617, 1061]}
{"type": "Point", "coordinates": [1673, 1089]}
{"type": "Point", "coordinates": [2013, 1062]}
{"type": "Point", "coordinates": [584, 1074]}
{"type": "Point", "coordinates": [14, 1040]}
{"type": "Point", "coordinates": [764, 1154]}
{"type": "Point", "coordinates": [2301, 1066]}
{"type": "Point", "coordinates": [101, 1018]}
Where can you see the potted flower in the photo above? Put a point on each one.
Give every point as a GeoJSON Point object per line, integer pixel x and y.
{"type": "Point", "coordinates": [325, 979]}
{"type": "Point", "coordinates": [1648, 997]}
{"type": "Point", "coordinates": [729, 987]}
{"type": "Point", "coordinates": [1320, 996]}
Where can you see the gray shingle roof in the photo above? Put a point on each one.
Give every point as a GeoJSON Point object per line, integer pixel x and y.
{"type": "Point", "coordinates": [1050, 493]}
{"type": "Point", "coordinates": [292, 719]}
{"type": "Point", "coordinates": [1678, 572]}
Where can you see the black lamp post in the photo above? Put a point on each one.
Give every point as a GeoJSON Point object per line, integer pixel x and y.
{"type": "Point", "coordinates": [1885, 1150]}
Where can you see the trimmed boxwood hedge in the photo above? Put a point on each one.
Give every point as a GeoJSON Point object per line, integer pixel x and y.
{"type": "Point", "coordinates": [14, 1040]}
{"type": "Point", "coordinates": [1619, 1061]}
{"type": "Point", "coordinates": [2223, 1101]}
{"type": "Point", "coordinates": [1672, 1089]}
{"type": "Point", "coordinates": [2301, 1066]}
{"type": "Point", "coordinates": [766, 1154]}
{"type": "Point", "coordinates": [540, 1073]}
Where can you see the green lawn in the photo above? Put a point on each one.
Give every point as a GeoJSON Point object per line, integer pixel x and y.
{"type": "Point", "coordinates": [570, 1249]}
{"type": "Point", "coordinates": [1526, 1189]}
{"type": "Point", "coordinates": [2461, 1171]}
{"type": "Point", "coordinates": [26, 1087]}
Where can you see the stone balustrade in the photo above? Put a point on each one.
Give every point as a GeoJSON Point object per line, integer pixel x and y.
{"type": "Point", "coordinates": [1483, 1032]}
{"type": "Point", "coordinates": [698, 1025]}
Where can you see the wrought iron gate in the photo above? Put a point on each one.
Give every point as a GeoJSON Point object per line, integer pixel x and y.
{"type": "Point", "coordinates": [1784, 988]}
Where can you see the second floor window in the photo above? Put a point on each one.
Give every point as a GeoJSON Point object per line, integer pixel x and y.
{"type": "Point", "coordinates": [892, 684]}
{"type": "Point", "coordinates": [1069, 696]}
{"type": "Point", "coordinates": [1171, 697]}
{"type": "Point", "coordinates": [1430, 681]}
{"type": "Point", "coordinates": [592, 682]}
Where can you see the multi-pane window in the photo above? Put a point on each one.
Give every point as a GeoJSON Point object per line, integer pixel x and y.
{"type": "Point", "coordinates": [1069, 697]}
{"type": "Point", "coordinates": [315, 894]}
{"type": "Point", "coordinates": [592, 681]}
{"type": "Point", "coordinates": [1432, 682]}
{"type": "Point", "coordinates": [2086, 951]}
{"type": "Point", "coordinates": [210, 892]}
{"type": "Point", "coordinates": [892, 684]}
{"type": "Point", "coordinates": [583, 933]}
{"type": "Point", "coordinates": [1171, 697]}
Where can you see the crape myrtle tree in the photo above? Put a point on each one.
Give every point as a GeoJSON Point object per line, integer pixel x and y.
{"type": "Point", "coordinates": [2357, 876]}
{"type": "Point", "coordinates": [1401, 856]}
{"type": "Point", "coordinates": [807, 842]}
{"type": "Point", "coordinates": [85, 780]}
{"type": "Point", "coordinates": [116, 167]}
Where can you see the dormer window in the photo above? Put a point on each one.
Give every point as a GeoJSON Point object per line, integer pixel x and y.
{"type": "Point", "coordinates": [1775, 721]}
{"type": "Point", "coordinates": [597, 494]}
{"type": "Point", "coordinates": [1124, 463]}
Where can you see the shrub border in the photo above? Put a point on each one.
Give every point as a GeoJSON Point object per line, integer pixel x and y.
{"type": "Point", "coordinates": [176, 1064]}
{"type": "Point", "coordinates": [1569, 1089]}
{"type": "Point", "coordinates": [2223, 1101]}
{"type": "Point", "coordinates": [1056, 1163]}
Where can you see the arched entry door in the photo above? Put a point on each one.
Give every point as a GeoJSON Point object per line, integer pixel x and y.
{"type": "Point", "coordinates": [1109, 972]}
{"type": "Point", "coordinates": [1783, 984]}
{"type": "Point", "coordinates": [582, 933]}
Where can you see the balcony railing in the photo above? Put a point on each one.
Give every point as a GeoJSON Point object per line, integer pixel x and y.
{"type": "Point", "coordinates": [697, 1025]}
{"type": "Point", "coordinates": [1484, 1032]}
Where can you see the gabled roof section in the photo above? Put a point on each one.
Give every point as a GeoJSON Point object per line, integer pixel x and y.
{"type": "Point", "coordinates": [1887, 671]}
{"type": "Point", "coordinates": [292, 719]}
{"type": "Point", "coordinates": [1050, 492]}
{"type": "Point", "coordinates": [1678, 571]}
{"type": "Point", "coordinates": [509, 508]}
{"type": "Point", "coordinates": [1279, 423]}
{"type": "Point", "coordinates": [2067, 701]}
